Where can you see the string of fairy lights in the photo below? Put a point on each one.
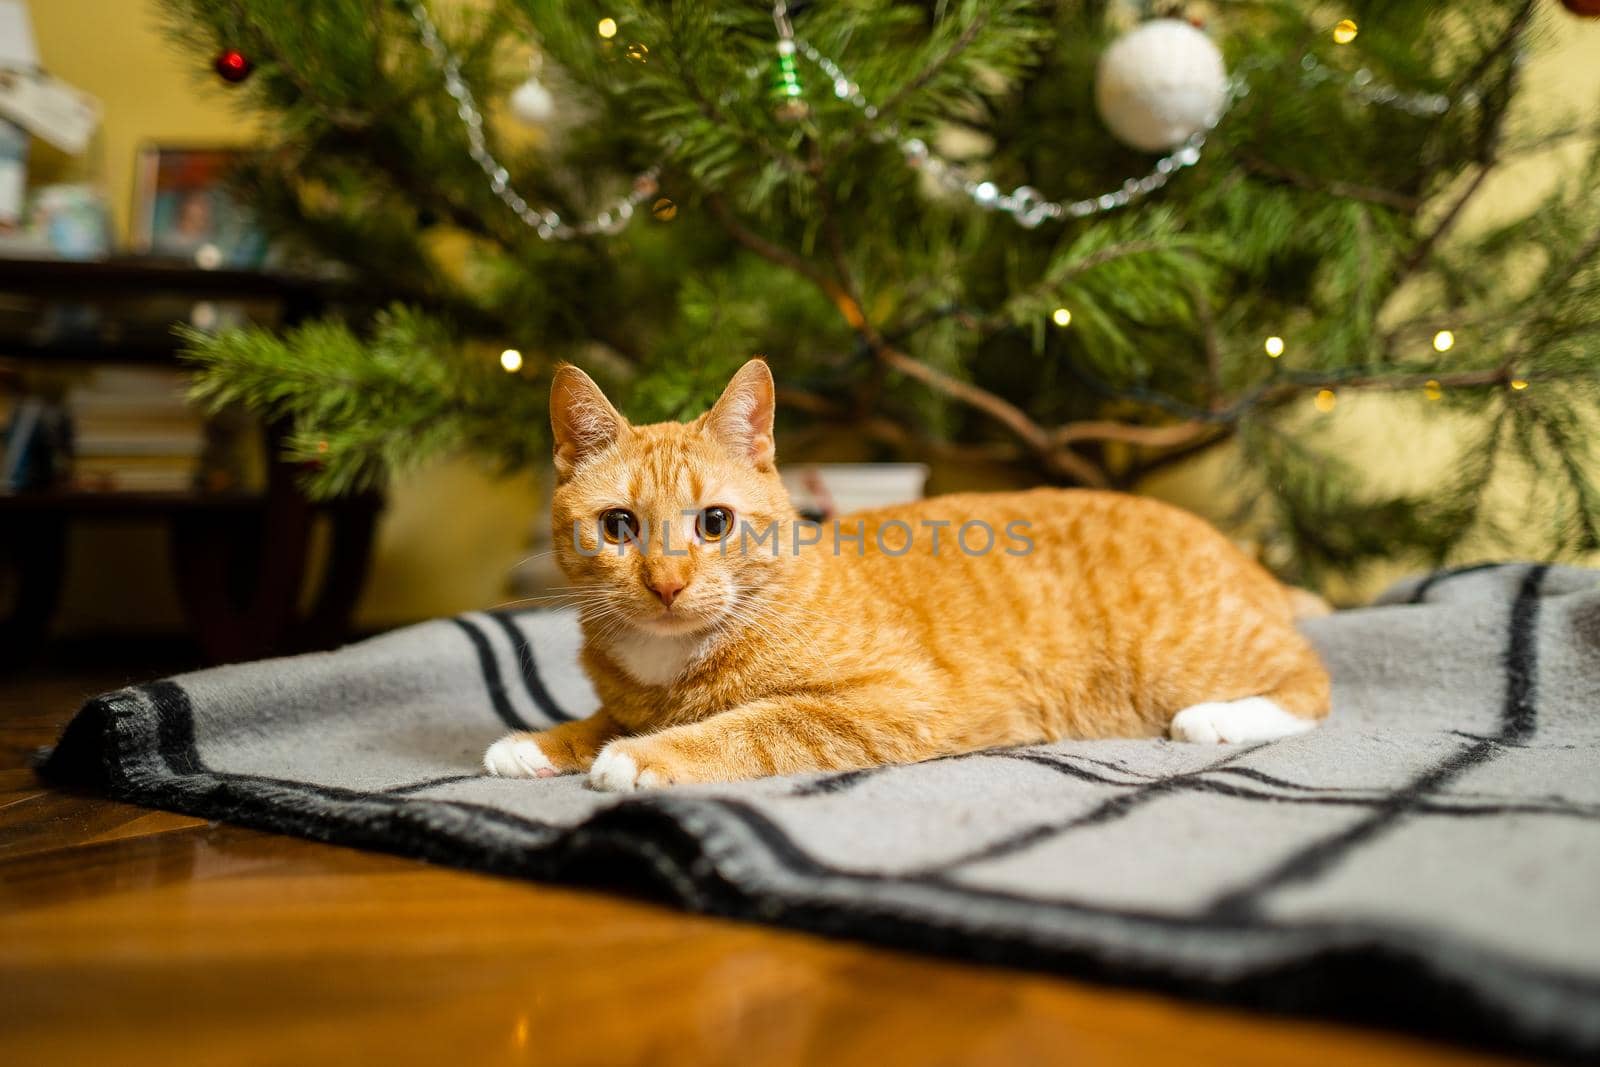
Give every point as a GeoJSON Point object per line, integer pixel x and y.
{"type": "Point", "coordinates": [1024, 204]}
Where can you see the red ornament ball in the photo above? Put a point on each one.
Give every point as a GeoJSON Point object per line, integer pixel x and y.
{"type": "Point", "coordinates": [232, 65]}
{"type": "Point", "coordinates": [1583, 7]}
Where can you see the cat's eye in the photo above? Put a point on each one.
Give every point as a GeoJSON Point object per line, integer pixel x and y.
{"type": "Point", "coordinates": [619, 524]}
{"type": "Point", "coordinates": [714, 523]}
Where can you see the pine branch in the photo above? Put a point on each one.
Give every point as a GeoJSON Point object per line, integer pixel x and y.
{"type": "Point", "coordinates": [776, 253]}
{"type": "Point", "coordinates": [1305, 221]}
{"type": "Point", "coordinates": [889, 432]}
{"type": "Point", "coordinates": [1585, 254]}
{"type": "Point", "coordinates": [1213, 344]}
{"type": "Point", "coordinates": [1489, 146]}
{"type": "Point", "coordinates": [1169, 436]}
{"type": "Point", "coordinates": [1331, 187]}
{"type": "Point", "coordinates": [1054, 457]}
{"type": "Point", "coordinates": [917, 82]}
{"type": "Point", "coordinates": [1058, 277]}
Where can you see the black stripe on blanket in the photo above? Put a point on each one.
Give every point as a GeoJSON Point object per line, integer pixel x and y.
{"type": "Point", "coordinates": [1344, 970]}
{"type": "Point", "coordinates": [1518, 720]}
{"type": "Point", "coordinates": [1110, 810]}
{"type": "Point", "coordinates": [726, 857]}
{"type": "Point", "coordinates": [530, 669]}
{"type": "Point", "coordinates": [1465, 805]}
{"type": "Point", "coordinates": [1419, 595]}
{"type": "Point", "coordinates": [491, 676]}
{"type": "Point", "coordinates": [649, 843]}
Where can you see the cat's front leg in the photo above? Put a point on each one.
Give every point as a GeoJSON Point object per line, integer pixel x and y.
{"type": "Point", "coordinates": [781, 735]}
{"type": "Point", "coordinates": [567, 748]}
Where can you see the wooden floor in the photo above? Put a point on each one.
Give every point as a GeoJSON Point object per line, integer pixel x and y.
{"type": "Point", "coordinates": [129, 936]}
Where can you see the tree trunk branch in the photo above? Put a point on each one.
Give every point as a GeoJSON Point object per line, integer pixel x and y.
{"type": "Point", "coordinates": [1346, 190]}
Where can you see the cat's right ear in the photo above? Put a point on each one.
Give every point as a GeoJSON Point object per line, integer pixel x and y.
{"type": "Point", "coordinates": [742, 417]}
{"type": "Point", "coordinates": [582, 420]}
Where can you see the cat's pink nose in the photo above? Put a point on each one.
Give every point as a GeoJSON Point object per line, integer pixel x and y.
{"type": "Point", "coordinates": [666, 589]}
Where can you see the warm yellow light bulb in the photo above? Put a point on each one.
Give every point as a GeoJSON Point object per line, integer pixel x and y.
{"type": "Point", "coordinates": [1274, 347]}
{"type": "Point", "coordinates": [1325, 400]}
{"type": "Point", "coordinates": [1061, 317]}
{"type": "Point", "coordinates": [1431, 390]}
{"type": "Point", "coordinates": [1345, 31]}
{"type": "Point", "coordinates": [1519, 384]}
{"type": "Point", "coordinates": [607, 28]}
{"type": "Point", "coordinates": [1443, 340]}
{"type": "Point", "coordinates": [511, 360]}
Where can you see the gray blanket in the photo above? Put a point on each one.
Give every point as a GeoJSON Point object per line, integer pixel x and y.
{"type": "Point", "coordinates": [1429, 859]}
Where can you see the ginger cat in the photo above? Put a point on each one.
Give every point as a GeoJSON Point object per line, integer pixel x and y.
{"type": "Point", "coordinates": [728, 639]}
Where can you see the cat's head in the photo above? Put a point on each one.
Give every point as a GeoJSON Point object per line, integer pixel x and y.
{"type": "Point", "coordinates": [657, 526]}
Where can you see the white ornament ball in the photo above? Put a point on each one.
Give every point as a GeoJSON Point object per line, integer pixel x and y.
{"type": "Point", "coordinates": [532, 103]}
{"type": "Point", "coordinates": [1159, 84]}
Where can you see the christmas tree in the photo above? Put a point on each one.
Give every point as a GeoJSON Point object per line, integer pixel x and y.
{"type": "Point", "coordinates": [1092, 239]}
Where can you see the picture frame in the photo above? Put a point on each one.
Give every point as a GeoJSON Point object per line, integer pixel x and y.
{"type": "Point", "coordinates": [184, 210]}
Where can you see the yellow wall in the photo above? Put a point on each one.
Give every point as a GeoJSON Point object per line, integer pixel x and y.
{"type": "Point", "coordinates": [114, 50]}
{"type": "Point", "coordinates": [451, 534]}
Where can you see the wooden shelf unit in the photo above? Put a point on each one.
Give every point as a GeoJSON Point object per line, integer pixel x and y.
{"type": "Point", "coordinates": [241, 560]}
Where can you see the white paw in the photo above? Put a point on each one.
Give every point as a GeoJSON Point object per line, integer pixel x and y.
{"type": "Point", "coordinates": [615, 771]}
{"type": "Point", "coordinates": [1236, 722]}
{"type": "Point", "coordinates": [517, 756]}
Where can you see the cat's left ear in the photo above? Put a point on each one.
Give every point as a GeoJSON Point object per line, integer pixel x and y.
{"type": "Point", "coordinates": [582, 421]}
{"type": "Point", "coordinates": [742, 417]}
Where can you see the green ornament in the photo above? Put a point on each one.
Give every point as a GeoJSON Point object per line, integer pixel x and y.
{"type": "Point", "coordinates": [786, 91]}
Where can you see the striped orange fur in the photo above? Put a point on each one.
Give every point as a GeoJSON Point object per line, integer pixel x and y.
{"type": "Point", "coordinates": [715, 661]}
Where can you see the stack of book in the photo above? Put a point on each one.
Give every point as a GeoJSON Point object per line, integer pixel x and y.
{"type": "Point", "coordinates": [133, 432]}
{"type": "Point", "coordinates": [33, 436]}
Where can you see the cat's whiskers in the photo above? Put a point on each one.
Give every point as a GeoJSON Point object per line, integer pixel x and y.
{"type": "Point", "coordinates": [811, 613]}
{"type": "Point", "coordinates": [554, 593]}
{"type": "Point", "coordinates": [607, 616]}
{"type": "Point", "coordinates": [594, 601]}
{"type": "Point", "coordinates": [525, 560]}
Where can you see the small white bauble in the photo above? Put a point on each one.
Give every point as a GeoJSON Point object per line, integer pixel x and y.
{"type": "Point", "coordinates": [1159, 84]}
{"type": "Point", "coordinates": [532, 103]}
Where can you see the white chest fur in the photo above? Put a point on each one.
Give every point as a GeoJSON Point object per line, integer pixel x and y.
{"type": "Point", "coordinates": [652, 659]}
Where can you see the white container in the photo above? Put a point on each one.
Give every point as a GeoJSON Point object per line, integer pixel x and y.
{"type": "Point", "coordinates": [829, 490]}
